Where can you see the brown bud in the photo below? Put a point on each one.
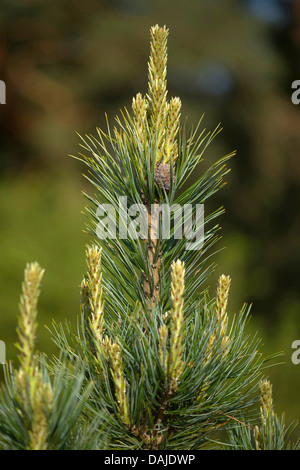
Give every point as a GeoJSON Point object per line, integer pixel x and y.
{"type": "Point", "coordinates": [162, 176]}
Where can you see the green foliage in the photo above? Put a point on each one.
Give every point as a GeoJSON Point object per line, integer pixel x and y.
{"type": "Point", "coordinates": [39, 412]}
{"type": "Point", "coordinates": [268, 433]}
{"type": "Point", "coordinates": [272, 435]}
{"type": "Point", "coordinates": [66, 430]}
{"type": "Point", "coordinates": [40, 215]}
{"type": "Point", "coordinates": [154, 360]}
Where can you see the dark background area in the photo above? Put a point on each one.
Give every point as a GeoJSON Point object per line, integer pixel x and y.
{"type": "Point", "coordinates": [66, 63]}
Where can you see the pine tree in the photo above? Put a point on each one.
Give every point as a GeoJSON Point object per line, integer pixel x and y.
{"type": "Point", "coordinates": [155, 363]}
{"type": "Point", "coordinates": [39, 412]}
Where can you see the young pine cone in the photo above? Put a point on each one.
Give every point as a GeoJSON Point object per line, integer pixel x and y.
{"type": "Point", "coordinates": [162, 176]}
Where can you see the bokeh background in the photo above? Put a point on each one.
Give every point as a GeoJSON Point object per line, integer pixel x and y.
{"type": "Point", "coordinates": [66, 63]}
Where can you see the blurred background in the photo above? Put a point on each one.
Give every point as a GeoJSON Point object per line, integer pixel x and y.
{"type": "Point", "coordinates": [66, 63]}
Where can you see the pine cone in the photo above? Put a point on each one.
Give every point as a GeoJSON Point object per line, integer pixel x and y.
{"type": "Point", "coordinates": [162, 176]}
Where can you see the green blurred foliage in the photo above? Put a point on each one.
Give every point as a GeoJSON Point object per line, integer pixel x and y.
{"type": "Point", "coordinates": [41, 222]}
{"type": "Point", "coordinates": [67, 63]}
